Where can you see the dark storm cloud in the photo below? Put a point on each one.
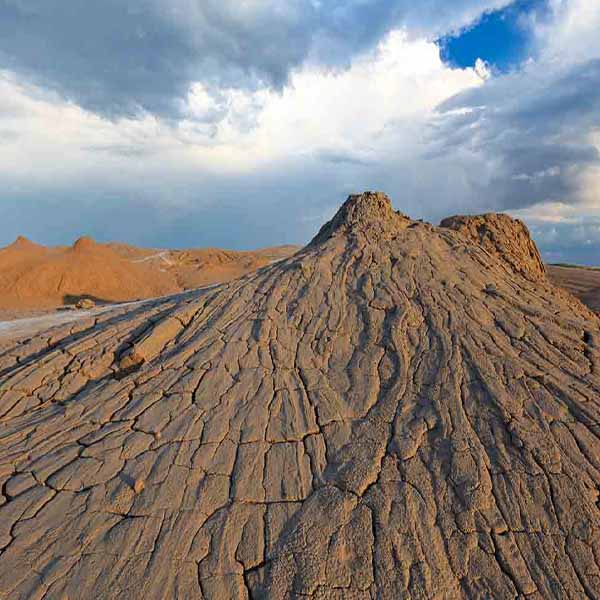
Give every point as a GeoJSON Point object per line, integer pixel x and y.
{"type": "Point", "coordinates": [531, 129]}
{"type": "Point", "coordinates": [119, 58]}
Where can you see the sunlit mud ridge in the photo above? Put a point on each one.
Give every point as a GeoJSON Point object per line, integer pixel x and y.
{"type": "Point", "coordinates": [398, 411]}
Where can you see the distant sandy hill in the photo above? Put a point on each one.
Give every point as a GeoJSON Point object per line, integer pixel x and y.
{"type": "Point", "coordinates": [34, 277]}
{"type": "Point", "coordinates": [583, 282]}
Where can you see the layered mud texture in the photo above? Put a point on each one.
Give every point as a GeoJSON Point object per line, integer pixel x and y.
{"type": "Point", "coordinates": [395, 412]}
{"type": "Point", "coordinates": [506, 237]}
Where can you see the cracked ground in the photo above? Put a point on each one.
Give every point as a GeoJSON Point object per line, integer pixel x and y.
{"type": "Point", "coordinates": [399, 411]}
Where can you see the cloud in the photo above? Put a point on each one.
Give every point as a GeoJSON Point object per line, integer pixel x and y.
{"type": "Point", "coordinates": [483, 69]}
{"type": "Point", "coordinates": [242, 141]}
{"type": "Point", "coordinates": [230, 180]}
{"type": "Point", "coordinates": [565, 233]}
{"type": "Point", "coordinates": [321, 113]}
{"type": "Point", "coordinates": [8, 135]}
{"type": "Point", "coordinates": [344, 157]}
{"type": "Point", "coordinates": [533, 136]}
{"type": "Point", "coordinates": [572, 34]}
{"type": "Point", "coordinates": [530, 130]}
{"type": "Point", "coordinates": [118, 59]}
{"type": "Point", "coordinates": [121, 150]}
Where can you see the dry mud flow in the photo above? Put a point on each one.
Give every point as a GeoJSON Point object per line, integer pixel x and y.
{"type": "Point", "coordinates": [398, 411]}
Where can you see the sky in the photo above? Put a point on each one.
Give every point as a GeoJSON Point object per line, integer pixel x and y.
{"type": "Point", "coordinates": [501, 38]}
{"type": "Point", "coordinates": [246, 123]}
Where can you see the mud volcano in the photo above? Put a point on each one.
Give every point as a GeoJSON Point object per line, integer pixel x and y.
{"type": "Point", "coordinates": [399, 411]}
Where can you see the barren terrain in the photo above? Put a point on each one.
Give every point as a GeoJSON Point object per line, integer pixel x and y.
{"type": "Point", "coordinates": [397, 411]}
{"type": "Point", "coordinates": [582, 282]}
{"type": "Point", "coordinates": [35, 279]}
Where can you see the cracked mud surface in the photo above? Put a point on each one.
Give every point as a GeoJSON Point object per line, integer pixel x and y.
{"type": "Point", "coordinates": [395, 412]}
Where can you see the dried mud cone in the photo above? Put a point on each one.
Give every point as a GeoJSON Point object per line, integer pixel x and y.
{"type": "Point", "coordinates": [505, 237]}
{"type": "Point", "coordinates": [395, 412]}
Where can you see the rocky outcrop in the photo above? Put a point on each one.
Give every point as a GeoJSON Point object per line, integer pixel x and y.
{"type": "Point", "coordinates": [391, 413]}
{"type": "Point", "coordinates": [504, 237]}
{"type": "Point", "coordinates": [85, 304]}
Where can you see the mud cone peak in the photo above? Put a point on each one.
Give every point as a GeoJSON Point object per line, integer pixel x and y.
{"type": "Point", "coordinates": [365, 207]}
{"type": "Point", "coordinates": [23, 243]}
{"type": "Point", "coordinates": [367, 213]}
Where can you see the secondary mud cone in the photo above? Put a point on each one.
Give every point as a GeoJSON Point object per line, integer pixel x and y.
{"type": "Point", "coordinates": [499, 234]}
{"type": "Point", "coordinates": [395, 412]}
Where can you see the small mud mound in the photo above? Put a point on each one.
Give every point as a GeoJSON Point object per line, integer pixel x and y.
{"type": "Point", "coordinates": [23, 244]}
{"type": "Point", "coordinates": [85, 244]}
{"type": "Point", "coordinates": [504, 237]}
{"type": "Point", "coordinates": [392, 413]}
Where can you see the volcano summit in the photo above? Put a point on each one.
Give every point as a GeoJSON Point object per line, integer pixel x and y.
{"type": "Point", "coordinates": [398, 411]}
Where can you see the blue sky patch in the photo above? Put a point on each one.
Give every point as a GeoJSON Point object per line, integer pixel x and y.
{"type": "Point", "coordinates": [501, 38]}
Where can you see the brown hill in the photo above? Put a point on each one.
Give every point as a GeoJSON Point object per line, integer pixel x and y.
{"type": "Point", "coordinates": [394, 412]}
{"type": "Point", "coordinates": [32, 276]}
{"type": "Point", "coordinates": [36, 277]}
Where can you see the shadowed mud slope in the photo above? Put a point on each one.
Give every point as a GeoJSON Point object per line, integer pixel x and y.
{"type": "Point", "coordinates": [398, 411]}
